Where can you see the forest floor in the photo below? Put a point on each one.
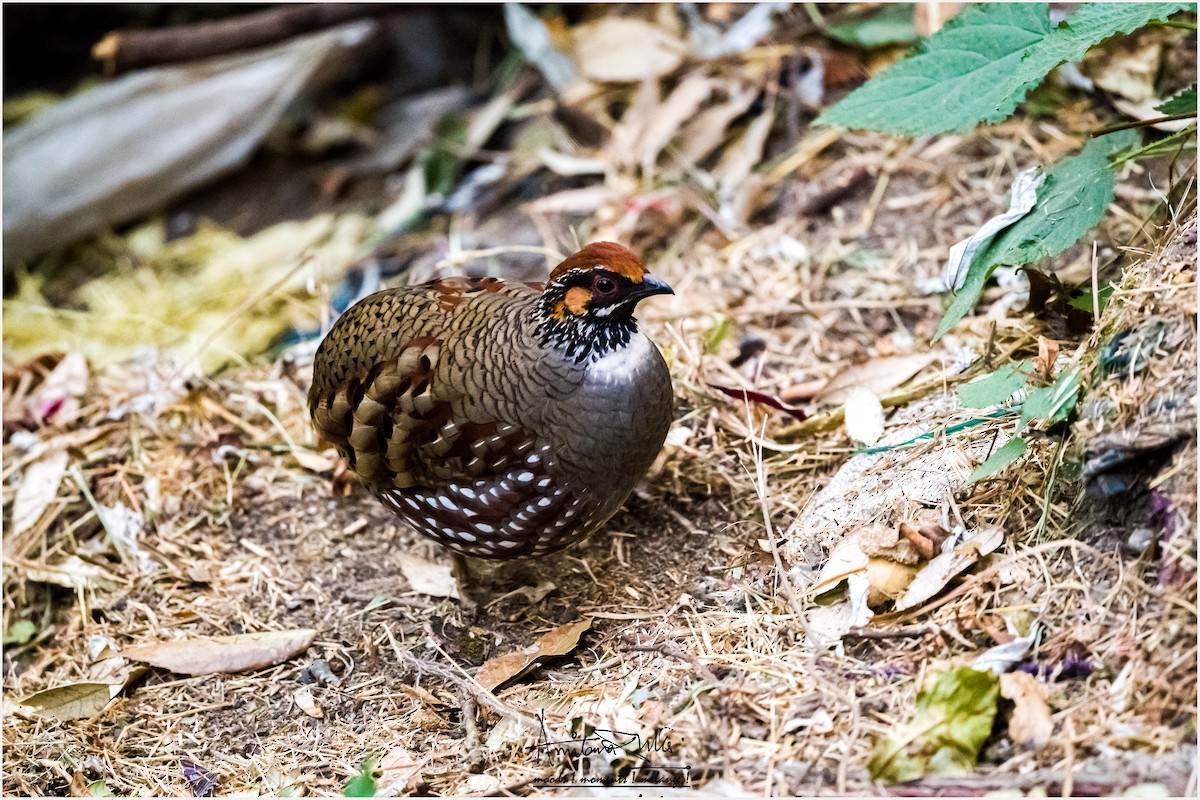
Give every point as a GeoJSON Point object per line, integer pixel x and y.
{"type": "Point", "coordinates": [699, 630]}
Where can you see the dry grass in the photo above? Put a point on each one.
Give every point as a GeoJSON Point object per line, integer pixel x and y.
{"type": "Point", "coordinates": [697, 632]}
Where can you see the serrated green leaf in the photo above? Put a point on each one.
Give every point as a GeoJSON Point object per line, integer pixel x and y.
{"type": "Point", "coordinates": [982, 64]}
{"type": "Point", "coordinates": [947, 85]}
{"type": "Point", "coordinates": [1000, 458]}
{"type": "Point", "coordinates": [20, 632]}
{"type": "Point", "coordinates": [1052, 404]}
{"type": "Point", "coordinates": [995, 388]}
{"type": "Point", "coordinates": [1086, 28]}
{"type": "Point", "coordinates": [891, 24]}
{"type": "Point", "coordinates": [1182, 103]}
{"type": "Point", "coordinates": [362, 784]}
{"type": "Point", "coordinates": [1070, 203]}
{"type": "Point", "coordinates": [952, 720]}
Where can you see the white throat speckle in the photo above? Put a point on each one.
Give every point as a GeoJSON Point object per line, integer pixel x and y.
{"type": "Point", "coordinates": [621, 364]}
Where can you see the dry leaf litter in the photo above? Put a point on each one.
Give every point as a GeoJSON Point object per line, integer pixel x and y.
{"type": "Point", "coordinates": [769, 601]}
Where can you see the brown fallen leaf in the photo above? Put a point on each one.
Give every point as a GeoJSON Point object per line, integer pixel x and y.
{"type": "Point", "coordinates": [844, 560]}
{"type": "Point", "coordinates": [888, 580]}
{"type": "Point", "coordinates": [679, 107]}
{"type": "Point", "coordinates": [72, 573]}
{"type": "Point", "coordinates": [1047, 356]}
{"type": "Point", "coordinates": [429, 577]}
{"type": "Point", "coordinates": [399, 773]}
{"type": "Point", "coordinates": [307, 703]}
{"type": "Point", "coordinates": [422, 695]}
{"type": "Point", "coordinates": [319, 463]}
{"type": "Point", "coordinates": [621, 49]}
{"type": "Point", "coordinates": [1030, 722]}
{"type": "Point", "coordinates": [78, 785]}
{"type": "Point", "coordinates": [708, 129]}
{"type": "Point", "coordinates": [934, 576]}
{"type": "Point", "coordinates": [556, 642]}
{"type": "Point", "coordinates": [880, 375]}
{"type": "Point", "coordinates": [38, 489]}
{"type": "Point", "coordinates": [73, 700]}
{"type": "Point", "coordinates": [245, 651]}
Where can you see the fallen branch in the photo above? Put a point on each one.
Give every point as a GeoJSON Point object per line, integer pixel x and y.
{"type": "Point", "coordinates": [122, 51]}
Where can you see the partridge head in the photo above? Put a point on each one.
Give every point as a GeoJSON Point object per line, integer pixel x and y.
{"type": "Point", "coordinates": [504, 420]}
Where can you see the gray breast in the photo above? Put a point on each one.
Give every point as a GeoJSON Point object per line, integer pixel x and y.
{"type": "Point", "coordinates": [618, 420]}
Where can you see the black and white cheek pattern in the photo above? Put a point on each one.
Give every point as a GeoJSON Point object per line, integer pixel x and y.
{"type": "Point", "coordinates": [525, 511]}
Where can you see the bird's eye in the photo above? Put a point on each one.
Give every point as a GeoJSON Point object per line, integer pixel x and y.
{"type": "Point", "coordinates": [604, 286]}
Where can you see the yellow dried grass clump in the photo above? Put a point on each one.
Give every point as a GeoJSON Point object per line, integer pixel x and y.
{"type": "Point", "coordinates": [214, 296]}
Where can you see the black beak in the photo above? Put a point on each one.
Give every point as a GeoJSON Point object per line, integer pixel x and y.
{"type": "Point", "coordinates": [650, 285]}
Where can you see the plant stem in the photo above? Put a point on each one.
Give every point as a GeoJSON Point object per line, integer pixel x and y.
{"type": "Point", "coordinates": [1141, 123]}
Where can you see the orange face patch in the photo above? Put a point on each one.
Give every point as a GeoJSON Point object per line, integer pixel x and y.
{"type": "Point", "coordinates": [574, 302]}
{"type": "Point", "coordinates": [609, 255]}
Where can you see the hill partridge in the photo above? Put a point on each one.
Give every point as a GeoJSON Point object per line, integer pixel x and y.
{"type": "Point", "coordinates": [504, 420]}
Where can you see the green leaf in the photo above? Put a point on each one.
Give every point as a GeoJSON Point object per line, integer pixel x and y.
{"type": "Point", "coordinates": [952, 720]}
{"type": "Point", "coordinates": [1087, 27]}
{"type": "Point", "coordinates": [993, 389]}
{"type": "Point", "coordinates": [1182, 103]}
{"type": "Point", "coordinates": [1000, 458]}
{"type": "Point", "coordinates": [982, 64]}
{"type": "Point", "coordinates": [1176, 143]}
{"type": "Point", "coordinates": [100, 789]}
{"type": "Point", "coordinates": [717, 334]}
{"type": "Point", "coordinates": [443, 162]}
{"type": "Point", "coordinates": [362, 784]}
{"type": "Point", "coordinates": [1053, 403]}
{"type": "Point", "coordinates": [378, 600]}
{"type": "Point", "coordinates": [892, 24]}
{"type": "Point", "coordinates": [20, 632]}
{"type": "Point", "coordinates": [948, 84]}
{"type": "Point", "coordinates": [1084, 301]}
{"type": "Point", "coordinates": [1070, 203]}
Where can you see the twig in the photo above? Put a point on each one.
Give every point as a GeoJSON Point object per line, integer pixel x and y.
{"type": "Point", "coordinates": [1141, 123]}
{"type": "Point", "coordinates": [669, 650]}
{"type": "Point", "coordinates": [898, 633]}
{"type": "Point", "coordinates": [463, 682]}
{"type": "Point", "coordinates": [122, 51]}
{"type": "Point", "coordinates": [830, 195]}
{"type": "Point", "coordinates": [468, 707]}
